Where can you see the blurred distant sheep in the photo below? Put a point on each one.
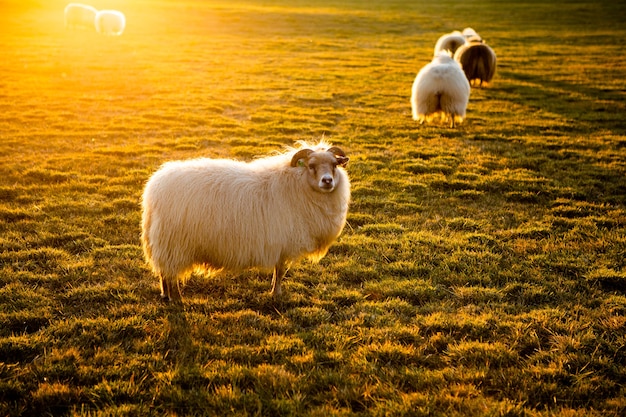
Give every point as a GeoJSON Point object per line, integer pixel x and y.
{"type": "Point", "coordinates": [440, 90]}
{"type": "Point", "coordinates": [471, 34]}
{"type": "Point", "coordinates": [79, 16]}
{"type": "Point", "coordinates": [478, 61]}
{"type": "Point", "coordinates": [449, 42]}
{"type": "Point", "coordinates": [216, 214]}
{"type": "Point", "coordinates": [110, 22]}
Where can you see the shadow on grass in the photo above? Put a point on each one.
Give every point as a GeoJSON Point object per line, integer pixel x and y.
{"type": "Point", "coordinates": [588, 104]}
{"type": "Point", "coordinates": [179, 345]}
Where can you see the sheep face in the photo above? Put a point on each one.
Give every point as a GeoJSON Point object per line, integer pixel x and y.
{"type": "Point", "coordinates": [321, 167]}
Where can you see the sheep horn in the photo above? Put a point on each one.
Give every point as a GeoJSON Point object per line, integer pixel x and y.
{"type": "Point", "coordinates": [342, 159]}
{"type": "Point", "coordinates": [301, 154]}
{"type": "Point", "coordinates": [336, 151]}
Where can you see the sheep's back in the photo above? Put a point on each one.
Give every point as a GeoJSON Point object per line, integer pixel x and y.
{"type": "Point", "coordinates": [79, 15]}
{"type": "Point", "coordinates": [449, 42]}
{"type": "Point", "coordinates": [438, 78]}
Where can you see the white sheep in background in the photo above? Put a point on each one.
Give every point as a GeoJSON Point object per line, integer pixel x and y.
{"type": "Point", "coordinates": [216, 214]}
{"type": "Point", "coordinates": [79, 16]}
{"type": "Point", "coordinates": [471, 34]}
{"type": "Point", "coordinates": [440, 90]}
{"type": "Point", "coordinates": [449, 42]}
{"type": "Point", "coordinates": [478, 61]}
{"type": "Point", "coordinates": [110, 22]}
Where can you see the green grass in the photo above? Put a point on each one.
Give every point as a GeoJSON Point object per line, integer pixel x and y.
{"type": "Point", "coordinates": [482, 270]}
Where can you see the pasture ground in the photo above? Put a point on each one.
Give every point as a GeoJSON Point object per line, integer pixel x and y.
{"type": "Point", "coordinates": [482, 270]}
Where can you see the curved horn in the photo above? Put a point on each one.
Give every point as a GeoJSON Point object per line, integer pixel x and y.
{"type": "Point", "coordinates": [342, 159]}
{"type": "Point", "coordinates": [336, 151]}
{"type": "Point", "coordinates": [301, 154]}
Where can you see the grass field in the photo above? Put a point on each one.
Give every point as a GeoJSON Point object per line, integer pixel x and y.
{"type": "Point", "coordinates": [482, 270]}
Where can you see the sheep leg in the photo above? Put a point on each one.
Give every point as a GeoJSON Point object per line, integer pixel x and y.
{"type": "Point", "coordinates": [170, 290]}
{"type": "Point", "coordinates": [279, 272]}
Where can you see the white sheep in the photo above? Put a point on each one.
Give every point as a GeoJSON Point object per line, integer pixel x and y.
{"type": "Point", "coordinates": [216, 214]}
{"type": "Point", "coordinates": [478, 61]}
{"type": "Point", "coordinates": [449, 42]}
{"type": "Point", "coordinates": [79, 16]}
{"type": "Point", "coordinates": [110, 22]}
{"type": "Point", "coordinates": [440, 90]}
{"type": "Point", "coordinates": [471, 34]}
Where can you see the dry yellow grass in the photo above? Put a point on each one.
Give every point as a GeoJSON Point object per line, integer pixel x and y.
{"type": "Point", "coordinates": [482, 271]}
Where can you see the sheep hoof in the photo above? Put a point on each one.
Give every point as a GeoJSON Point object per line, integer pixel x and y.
{"type": "Point", "coordinates": [276, 293]}
{"type": "Point", "coordinates": [171, 300]}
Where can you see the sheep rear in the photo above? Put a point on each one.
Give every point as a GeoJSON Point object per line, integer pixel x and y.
{"type": "Point", "coordinates": [478, 62]}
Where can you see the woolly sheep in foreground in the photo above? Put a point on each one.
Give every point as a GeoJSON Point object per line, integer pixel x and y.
{"type": "Point", "coordinates": [79, 16]}
{"type": "Point", "coordinates": [440, 89]}
{"type": "Point", "coordinates": [478, 61]}
{"type": "Point", "coordinates": [449, 42]}
{"type": "Point", "coordinates": [110, 22]}
{"type": "Point", "coordinates": [216, 214]}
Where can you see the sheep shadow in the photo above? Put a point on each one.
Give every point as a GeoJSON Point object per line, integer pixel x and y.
{"type": "Point", "coordinates": [250, 289]}
{"type": "Point", "coordinates": [178, 343]}
{"type": "Point", "coordinates": [569, 100]}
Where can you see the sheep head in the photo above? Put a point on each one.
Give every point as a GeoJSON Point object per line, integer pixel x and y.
{"type": "Point", "coordinates": [321, 167]}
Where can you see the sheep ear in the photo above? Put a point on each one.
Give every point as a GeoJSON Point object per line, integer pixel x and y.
{"type": "Point", "coordinates": [297, 159]}
{"type": "Point", "coordinates": [342, 159]}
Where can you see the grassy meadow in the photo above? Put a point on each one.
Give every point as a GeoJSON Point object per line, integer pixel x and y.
{"type": "Point", "coordinates": [482, 270]}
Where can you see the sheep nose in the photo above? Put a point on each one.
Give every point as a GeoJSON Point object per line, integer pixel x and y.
{"type": "Point", "coordinates": [327, 180]}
